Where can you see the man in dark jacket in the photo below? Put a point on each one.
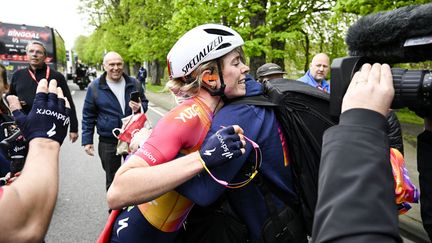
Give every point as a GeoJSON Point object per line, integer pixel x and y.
{"type": "Point", "coordinates": [106, 103]}
{"type": "Point", "coordinates": [142, 75]}
{"type": "Point", "coordinates": [24, 83]}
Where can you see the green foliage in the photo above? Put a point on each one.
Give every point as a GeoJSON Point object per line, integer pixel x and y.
{"type": "Point", "coordinates": [407, 116]}
{"type": "Point", "coordinates": [364, 7]}
{"type": "Point", "coordinates": [291, 30]}
{"type": "Point", "coordinates": [156, 88]}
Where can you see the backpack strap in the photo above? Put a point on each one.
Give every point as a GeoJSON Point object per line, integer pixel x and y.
{"type": "Point", "coordinates": [281, 85]}
{"type": "Point", "coordinates": [259, 100]}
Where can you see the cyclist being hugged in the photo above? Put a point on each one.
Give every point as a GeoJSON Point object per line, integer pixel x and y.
{"type": "Point", "coordinates": [146, 179]}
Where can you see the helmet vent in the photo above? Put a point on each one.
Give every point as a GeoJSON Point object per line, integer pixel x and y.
{"type": "Point", "coordinates": [218, 32]}
{"type": "Point", "coordinates": [224, 45]}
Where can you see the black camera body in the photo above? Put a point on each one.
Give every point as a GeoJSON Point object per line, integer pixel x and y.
{"type": "Point", "coordinates": [413, 88]}
{"type": "Point", "coordinates": [403, 35]}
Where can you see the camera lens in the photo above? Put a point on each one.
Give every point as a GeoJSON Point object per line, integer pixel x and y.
{"type": "Point", "coordinates": [413, 89]}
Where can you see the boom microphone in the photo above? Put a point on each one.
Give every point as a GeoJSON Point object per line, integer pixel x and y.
{"type": "Point", "coordinates": [399, 36]}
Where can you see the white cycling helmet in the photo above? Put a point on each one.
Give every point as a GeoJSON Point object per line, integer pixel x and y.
{"type": "Point", "coordinates": [201, 44]}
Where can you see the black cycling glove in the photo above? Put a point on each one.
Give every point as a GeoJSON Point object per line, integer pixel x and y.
{"type": "Point", "coordinates": [48, 118]}
{"type": "Point", "coordinates": [222, 146]}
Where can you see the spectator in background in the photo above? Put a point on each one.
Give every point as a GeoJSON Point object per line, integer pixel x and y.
{"type": "Point", "coordinates": [269, 71]}
{"type": "Point", "coordinates": [4, 86]}
{"type": "Point", "coordinates": [315, 77]}
{"type": "Point", "coordinates": [106, 103]}
{"type": "Point", "coordinates": [142, 75]}
{"type": "Point", "coordinates": [24, 83]}
{"type": "Point", "coordinates": [318, 70]}
{"type": "Point", "coordinates": [80, 70]}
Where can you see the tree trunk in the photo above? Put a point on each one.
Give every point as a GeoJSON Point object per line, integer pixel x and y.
{"type": "Point", "coordinates": [156, 72]}
{"type": "Point", "coordinates": [278, 45]}
{"type": "Point", "coordinates": [135, 68]}
{"type": "Point", "coordinates": [126, 68]}
{"type": "Point", "coordinates": [257, 20]}
{"type": "Point", "coordinates": [307, 49]}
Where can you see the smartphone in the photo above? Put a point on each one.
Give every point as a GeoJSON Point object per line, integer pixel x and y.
{"type": "Point", "coordinates": [135, 96]}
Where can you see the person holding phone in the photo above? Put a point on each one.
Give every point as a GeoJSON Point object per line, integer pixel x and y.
{"type": "Point", "coordinates": [110, 97]}
{"type": "Point", "coordinates": [135, 96]}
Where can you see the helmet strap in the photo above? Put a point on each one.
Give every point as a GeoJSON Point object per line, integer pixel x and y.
{"type": "Point", "coordinates": [221, 91]}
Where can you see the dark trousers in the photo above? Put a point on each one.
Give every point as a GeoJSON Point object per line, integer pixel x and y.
{"type": "Point", "coordinates": [110, 161]}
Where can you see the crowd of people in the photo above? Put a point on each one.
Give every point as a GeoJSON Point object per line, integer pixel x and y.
{"type": "Point", "coordinates": [222, 162]}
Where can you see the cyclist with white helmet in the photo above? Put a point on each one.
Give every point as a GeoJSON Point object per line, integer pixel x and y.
{"type": "Point", "coordinates": [252, 203]}
{"type": "Point", "coordinates": [213, 54]}
{"type": "Point", "coordinates": [146, 179]}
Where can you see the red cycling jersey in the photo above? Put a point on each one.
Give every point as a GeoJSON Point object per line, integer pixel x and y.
{"type": "Point", "coordinates": [182, 131]}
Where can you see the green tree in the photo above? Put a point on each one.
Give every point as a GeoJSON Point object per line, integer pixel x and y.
{"type": "Point", "coordinates": [364, 7]}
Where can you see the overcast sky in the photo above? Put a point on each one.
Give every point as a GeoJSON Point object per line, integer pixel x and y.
{"type": "Point", "coordinates": [59, 14]}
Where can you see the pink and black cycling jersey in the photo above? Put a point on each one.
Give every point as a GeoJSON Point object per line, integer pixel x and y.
{"type": "Point", "coordinates": [181, 131]}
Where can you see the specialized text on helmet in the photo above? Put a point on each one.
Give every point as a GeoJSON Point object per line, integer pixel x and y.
{"type": "Point", "coordinates": [210, 47]}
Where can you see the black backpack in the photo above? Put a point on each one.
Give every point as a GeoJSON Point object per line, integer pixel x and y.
{"type": "Point", "coordinates": [303, 114]}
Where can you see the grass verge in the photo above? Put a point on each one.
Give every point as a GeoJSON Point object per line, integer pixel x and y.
{"type": "Point", "coordinates": [156, 88]}
{"type": "Point", "coordinates": [406, 116]}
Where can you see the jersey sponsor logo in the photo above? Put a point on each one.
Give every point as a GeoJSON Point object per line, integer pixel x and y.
{"type": "Point", "coordinates": [209, 152]}
{"type": "Point", "coordinates": [54, 114]}
{"type": "Point", "coordinates": [149, 155]}
{"type": "Point", "coordinates": [202, 54]}
{"type": "Point", "coordinates": [225, 148]}
{"type": "Point", "coordinates": [123, 224]}
{"type": "Point", "coordinates": [188, 113]}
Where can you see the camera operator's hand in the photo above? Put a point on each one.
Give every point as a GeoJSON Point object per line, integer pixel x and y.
{"type": "Point", "coordinates": [49, 116]}
{"type": "Point", "coordinates": [225, 144]}
{"type": "Point", "coordinates": [370, 88]}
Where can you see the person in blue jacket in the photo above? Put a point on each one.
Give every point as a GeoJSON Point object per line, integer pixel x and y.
{"type": "Point", "coordinates": [142, 75]}
{"type": "Point", "coordinates": [318, 70]}
{"type": "Point", "coordinates": [107, 102]}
